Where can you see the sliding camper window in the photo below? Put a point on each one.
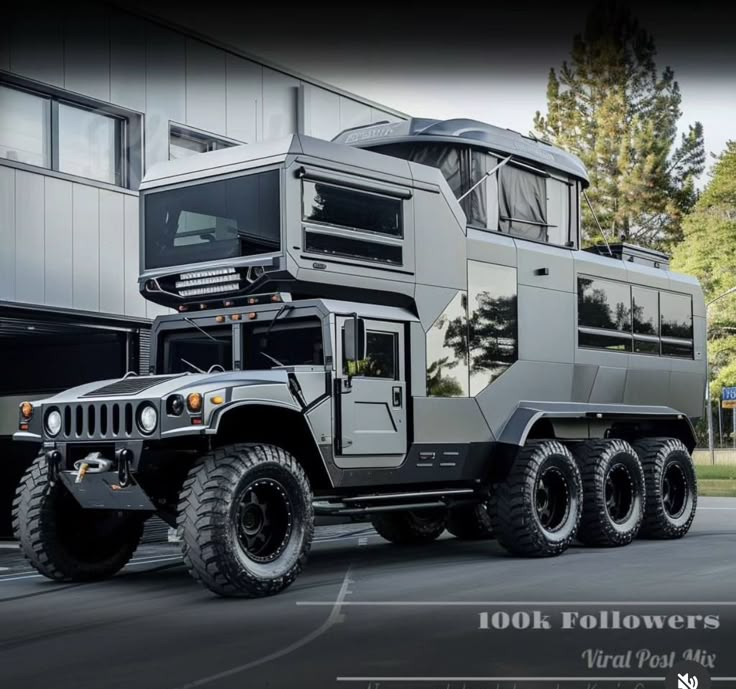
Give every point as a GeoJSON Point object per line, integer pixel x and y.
{"type": "Point", "coordinates": [344, 222]}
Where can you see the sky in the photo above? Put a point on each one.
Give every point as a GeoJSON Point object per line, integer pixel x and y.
{"type": "Point", "coordinates": [455, 60]}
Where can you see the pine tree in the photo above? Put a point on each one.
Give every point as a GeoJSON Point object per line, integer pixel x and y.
{"type": "Point", "coordinates": [708, 252]}
{"type": "Point", "coordinates": [610, 106]}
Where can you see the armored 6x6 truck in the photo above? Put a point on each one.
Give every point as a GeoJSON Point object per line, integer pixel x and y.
{"type": "Point", "coordinates": [400, 325]}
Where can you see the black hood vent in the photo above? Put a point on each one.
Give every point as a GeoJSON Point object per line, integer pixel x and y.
{"type": "Point", "coordinates": [130, 386]}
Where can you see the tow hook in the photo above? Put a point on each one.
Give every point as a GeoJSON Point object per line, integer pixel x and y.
{"type": "Point", "coordinates": [53, 462]}
{"type": "Point", "coordinates": [124, 458]}
{"type": "Point", "coordinates": [93, 463]}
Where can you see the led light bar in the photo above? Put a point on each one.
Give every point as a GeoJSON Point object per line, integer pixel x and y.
{"type": "Point", "coordinates": [205, 281]}
{"type": "Point", "coordinates": [207, 273]}
{"type": "Point", "coordinates": [218, 289]}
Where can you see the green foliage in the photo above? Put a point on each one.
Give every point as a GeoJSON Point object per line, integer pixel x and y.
{"type": "Point", "coordinates": [708, 252]}
{"type": "Point", "coordinates": [611, 107]}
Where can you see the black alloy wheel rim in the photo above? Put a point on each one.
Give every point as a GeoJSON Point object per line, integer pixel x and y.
{"type": "Point", "coordinates": [619, 493]}
{"type": "Point", "coordinates": [675, 490]}
{"type": "Point", "coordinates": [552, 499]}
{"type": "Point", "coordinates": [264, 520]}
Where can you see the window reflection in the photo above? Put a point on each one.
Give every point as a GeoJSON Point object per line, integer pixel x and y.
{"type": "Point", "coordinates": [646, 311]}
{"type": "Point", "coordinates": [677, 315]}
{"type": "Point", "coordinates": [447, 351]}
{"type": "Point", "coordinates": [492, 304]}
{"type": "Point", "coordinates": [24, 127]}
{"type": "Point", "coordinates": [604, 304]}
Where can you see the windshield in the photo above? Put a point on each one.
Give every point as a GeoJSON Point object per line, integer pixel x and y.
{"type": "Point", "coordinates": [234, 217]}
{"type": "Point", "coordinates": [290, 342]}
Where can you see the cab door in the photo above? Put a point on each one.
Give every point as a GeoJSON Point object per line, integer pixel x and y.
{"type": "Point", "coordinates": [372, 401]}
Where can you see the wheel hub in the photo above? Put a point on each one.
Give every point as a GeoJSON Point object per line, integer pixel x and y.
{"type": "Point", "coordinates": [552, 499]}
{"type": "Point", "coordinates": [674, 490]}
{"type": "Point", "coordinates": [619, 493]}
{"type": "Point", "coordinates": [264, 520]}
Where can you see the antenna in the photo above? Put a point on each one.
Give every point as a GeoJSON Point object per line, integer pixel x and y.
{"type": "Point", "coordinates": [600, 229]}
{"type": "Point", "coordinates": [487, 174]}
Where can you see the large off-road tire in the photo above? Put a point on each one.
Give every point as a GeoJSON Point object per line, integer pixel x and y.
{"type": "Point", "coordinates": [672, 488]}
{"type": "Point", "coordinates": [410, 527]}
{"type": "Point", "coordinates": [536, 509]}
{"type": "Point", "coordinates": [62, 540]}
{"type": "Point", "coordinates": [470, 522]}
{"type": "Point", "coordinates": [613, 492]}
{"type": "Point", "coordinates": [246, 520]}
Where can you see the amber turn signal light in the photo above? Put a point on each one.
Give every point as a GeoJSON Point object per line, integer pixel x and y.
{"type": "Point", "coordinates": [194, 402]}
{"type": "Point", "coordinates": [26, 410]}
{"type": "Point", "coordinates": [217, 399]}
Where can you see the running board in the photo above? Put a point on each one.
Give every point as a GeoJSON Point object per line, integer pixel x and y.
{"type": "Point", "coordinates": [389, 502]}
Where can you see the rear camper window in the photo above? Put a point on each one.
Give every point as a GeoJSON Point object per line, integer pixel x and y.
{"type": "Point", "coordinates": [229, 218]}
{"type": "Point", "coordinates": [621, 317]}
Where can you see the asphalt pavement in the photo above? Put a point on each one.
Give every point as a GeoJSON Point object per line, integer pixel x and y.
{"type": "Point", "coordinates": [369, 615]}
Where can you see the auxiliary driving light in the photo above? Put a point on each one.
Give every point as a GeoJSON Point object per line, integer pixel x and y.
{"type": "Point", "coordinates": [147, 418]}
{"type": "Point", "coordinates": [175, 405]}
{"type": "Point", "coordinates": [26, 410]}
{"type": "Point", "coordinates": [53, 422]}
{"type": "Point", "coordinates": [194, 402]}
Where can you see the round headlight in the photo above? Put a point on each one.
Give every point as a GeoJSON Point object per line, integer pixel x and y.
{"type": "Point", "coordinates": [53, 422]}
{"type": "Point", "coordinates": [175, 405]}
{"type": "Point", "coordinates": [147, 418]}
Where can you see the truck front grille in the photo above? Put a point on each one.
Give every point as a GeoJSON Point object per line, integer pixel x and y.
{"type": "Point", "coordinates": [97, 421]}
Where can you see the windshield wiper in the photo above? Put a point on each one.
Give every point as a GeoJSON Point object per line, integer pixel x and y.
{"type": "Point", "coordinates": [189, 363]}
{"type": "Point", "coordinates": [272, 358]}
{"type": "Point", "coordinates": [283, 309]}
{"type": "Point", "coordinates": [203, 331]}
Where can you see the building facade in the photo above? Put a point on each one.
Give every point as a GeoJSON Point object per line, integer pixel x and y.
{"type": "Point", "coordinates": [90, 97]}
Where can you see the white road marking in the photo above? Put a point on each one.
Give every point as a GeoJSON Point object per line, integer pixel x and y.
{"type": "Point", "coordinates": [516, 603]}
{"type": "Point", "coordinates": [363, 541]}
{"type": "Point", "coordinates": [335, 617]}
{"type": "Point", "coordinates": [514, 679]}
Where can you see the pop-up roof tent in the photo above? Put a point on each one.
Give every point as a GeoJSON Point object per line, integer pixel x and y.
{"type": "Point", "coordinates": [464, 150]}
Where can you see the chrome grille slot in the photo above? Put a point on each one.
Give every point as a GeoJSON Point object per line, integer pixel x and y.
{"type": "Point", "coordinates": [67, 421]}
{"type": "Point", "coordinates": [115, 419]}
{"type": "Point", "coordinates": [103, 420]}
{"type": "Point", "coordinates": [91, 420]}
{"type": "Point", "coordinates": [80, 420]}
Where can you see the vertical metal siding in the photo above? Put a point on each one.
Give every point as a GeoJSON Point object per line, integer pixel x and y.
{"type": "Point", "coordinates": [86, 247]}
{"type": "Point", "coordinates": [135, 305]}
{"type": "Point", "coordinates": [206, 86]}
{"type": "Point", "coordinates": [59, 267]}
{"type": "Point", "coordinates": [37, 43]}
{"type": "Point", "coordinates": [5, 45]}
{"type": "Point", "coordinates": [165, 89]}
{"type": "Point", "coordinates": [7, 233]}
{"type": "Point", "coordinates": [112, 252]}
{"type": "Point", "coordinates": [322, 112]}
{"type": "Point", "coordinates": [87, 50]}
{"type": "Point", "coordinates": [244, 83]}
{"type": "Point", "coordinates": [353, 114]}
{"type": "Point", "coordinates": [279, 104]}
{"type": "Point", "coordinates": [127, 61]}
{"type": "Point", "coordinates": [29, 239]}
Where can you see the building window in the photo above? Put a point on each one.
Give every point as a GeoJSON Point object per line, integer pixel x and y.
{"type": "Point", "coordinates": [185, 142]}
{"type": "Point", "coordinates": [677, 324]}
{"type": "Point", "coordinates": [51, 132]}
{"type": "Point", "coordinates": [25, 127]}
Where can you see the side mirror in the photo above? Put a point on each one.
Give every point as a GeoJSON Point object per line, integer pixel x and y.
{"type": "Point", "coordinates": [354, 345]}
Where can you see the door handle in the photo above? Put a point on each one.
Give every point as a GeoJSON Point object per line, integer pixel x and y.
{"type": "Point", "coordinates": [397, 396]}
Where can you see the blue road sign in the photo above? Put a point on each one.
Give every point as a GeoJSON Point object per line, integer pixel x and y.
{"type": "Point", "coordinates": [729, 394]}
